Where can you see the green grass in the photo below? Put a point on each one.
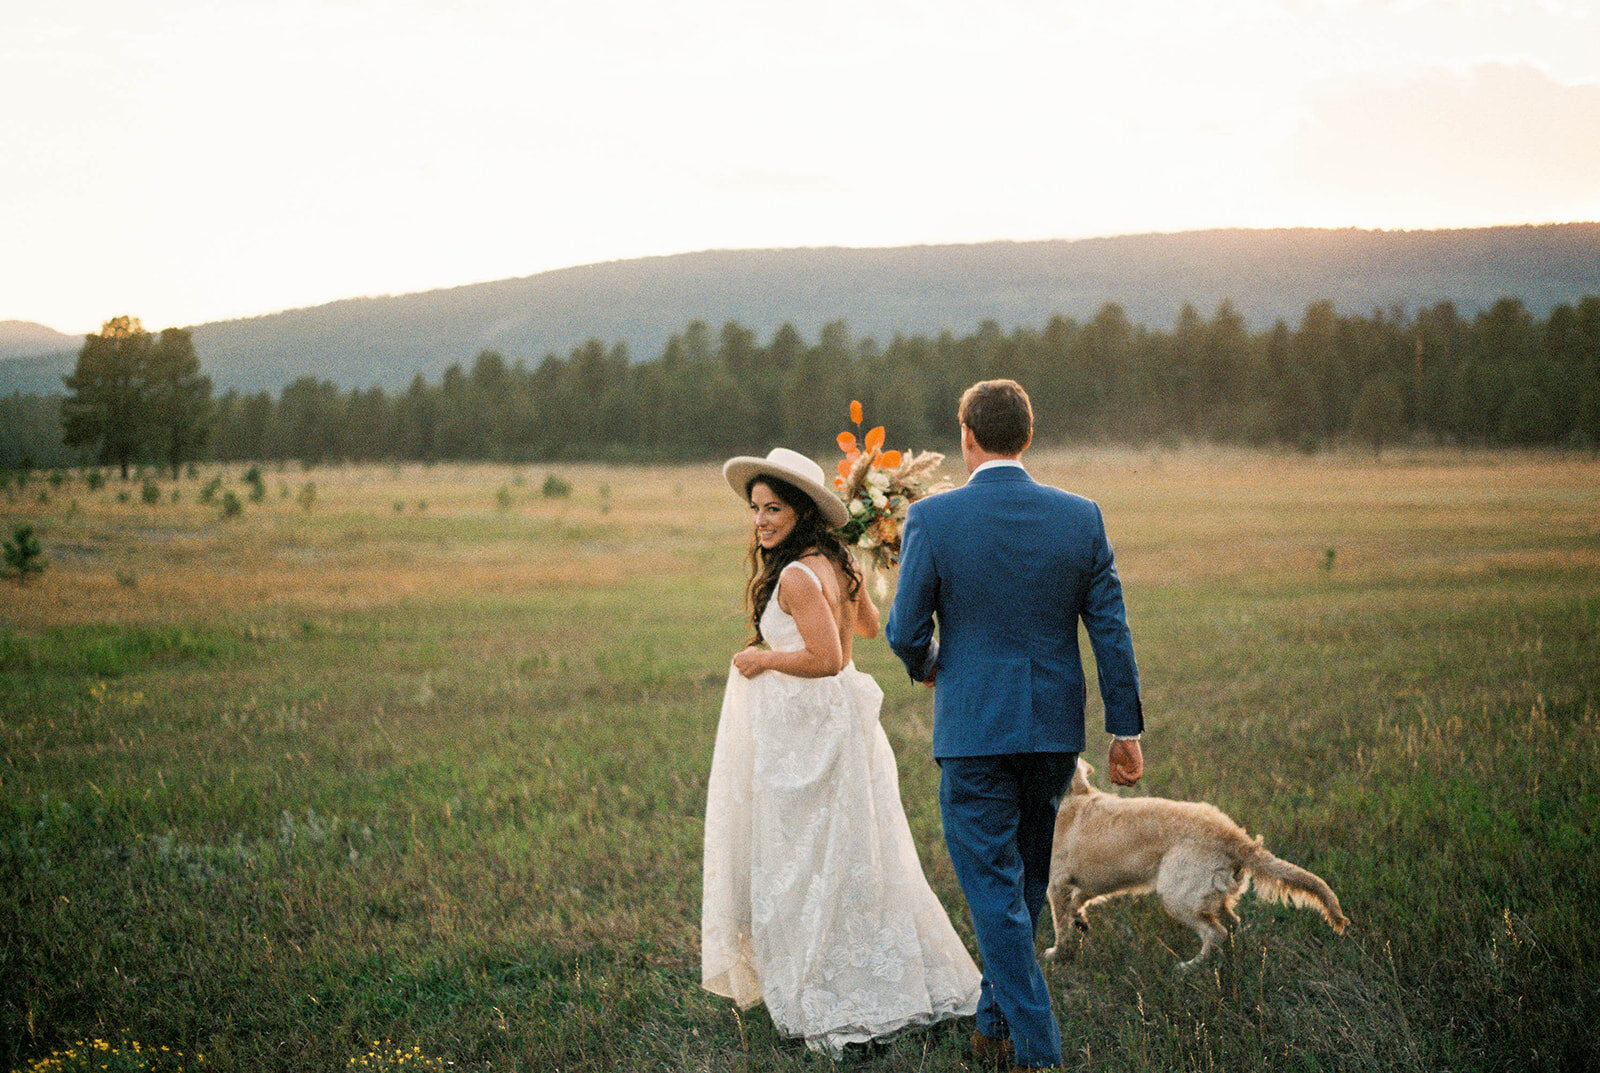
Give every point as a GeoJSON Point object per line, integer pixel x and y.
{"type": "Point", "coordinates": [438, 779]}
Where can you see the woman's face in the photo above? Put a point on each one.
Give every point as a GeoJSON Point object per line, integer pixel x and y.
{"type": "Point", "coordinates": [774, 519]}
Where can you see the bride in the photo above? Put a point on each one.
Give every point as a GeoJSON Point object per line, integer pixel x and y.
{"type": "Point", "coordinates": [814, 900]}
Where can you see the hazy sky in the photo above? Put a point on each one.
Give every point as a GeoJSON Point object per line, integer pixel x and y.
{"type": "Point", "coordinates": [191, 160]}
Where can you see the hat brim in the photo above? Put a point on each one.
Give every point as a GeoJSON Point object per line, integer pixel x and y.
{"type": "Point", "coordinates": [739, 472]}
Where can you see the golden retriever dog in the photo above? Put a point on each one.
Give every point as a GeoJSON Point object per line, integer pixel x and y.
{"type": "Point", "coordinates": [1188, 852]}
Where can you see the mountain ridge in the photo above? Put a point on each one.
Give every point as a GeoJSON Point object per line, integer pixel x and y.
{"type": "Point", "coordinates": [1267, 274]}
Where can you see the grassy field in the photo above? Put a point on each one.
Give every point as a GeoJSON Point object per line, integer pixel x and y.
{"type": "Point", "coordinates": [408, 768]}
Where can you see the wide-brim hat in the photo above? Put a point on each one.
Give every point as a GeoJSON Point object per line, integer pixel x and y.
{"type": "Point", "coordinates": [791, 466]}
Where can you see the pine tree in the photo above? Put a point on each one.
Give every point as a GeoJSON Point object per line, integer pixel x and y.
{"type": "Point", "coordinates": [108, 404]}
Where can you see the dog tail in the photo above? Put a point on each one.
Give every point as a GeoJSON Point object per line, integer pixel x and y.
{"type": "Point", "coordinates": [1280, 881]}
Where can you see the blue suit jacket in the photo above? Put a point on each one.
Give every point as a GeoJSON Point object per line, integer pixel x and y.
{"type": "Point", "coordinates": [1007, 567]}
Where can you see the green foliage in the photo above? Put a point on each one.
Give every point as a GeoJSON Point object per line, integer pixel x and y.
{"type": "Point", "coordinates": [32, 436]}
{"type": "Point", "coordinates": [209, 490]}
{"type": "Point", "coordinates": [1378, 413]}
{"type": "Point", "coordinates": [23, 555]}
{"type": "Point", "coordinates": [1499, 378]}
{"type": "Point", "coordinates": [1526, 419]}
{"type": "Point", "coordinates": [231, 505]}
{"type": "Point", "coordinates": [307, 496]}
{"type": "Point", "coordinates": [150, 493]}
{"type": "Point", "coordinates": [502, 498]}
{"type": "Point", "coordinates": [132, 394]}
{"type": "Point", "coordinates": [257, 483]}
{"type": "Point", "coordinates": [95, 480]}
{"type": "Point", "coordinates": [179, 398]}
{"type": "Point", "coordinates": [102, 651]}
{"type": "Point", "coordinates": [555, 487]}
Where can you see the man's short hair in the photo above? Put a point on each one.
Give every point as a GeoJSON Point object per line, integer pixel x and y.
{"type": "Point", "coordinates": [999, 414]}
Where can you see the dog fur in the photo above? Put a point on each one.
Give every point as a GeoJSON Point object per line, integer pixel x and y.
{"type": "Point", "coordinates": [1189, 852]}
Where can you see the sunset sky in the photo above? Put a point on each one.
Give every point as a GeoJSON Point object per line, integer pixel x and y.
{"type": "Point", "coordinates": [185, 161]}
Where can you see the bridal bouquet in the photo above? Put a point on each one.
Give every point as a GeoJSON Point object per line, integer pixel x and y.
{"type": "Point", "coordinates": [878, 487]}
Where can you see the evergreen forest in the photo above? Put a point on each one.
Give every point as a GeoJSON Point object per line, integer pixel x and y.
{"type": "Point", "coordinates": [1500, 377]}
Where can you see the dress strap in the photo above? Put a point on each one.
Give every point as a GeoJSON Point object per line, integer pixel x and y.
{"type": "Point", "coordinates": [808, 570]}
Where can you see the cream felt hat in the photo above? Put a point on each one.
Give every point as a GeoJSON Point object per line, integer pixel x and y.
{"type": "Point", "coordinates": [791, 466]}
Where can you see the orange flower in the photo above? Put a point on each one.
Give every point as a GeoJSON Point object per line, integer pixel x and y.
{"type": "Point", "coordinates": [888, 529]}
{"type": "Point", "coordinates": [855, 411]}
{"type": "Point", "coordinates": [847, 442]}
{"type": "Point", "coordinates": [888, 460]}
{"type": "Point", "coordinates": [845, 466]}
{"type": "Point", "coordinates": [874, 439]}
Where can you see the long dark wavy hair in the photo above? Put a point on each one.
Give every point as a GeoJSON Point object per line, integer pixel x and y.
{"type": "Point", "coordinates": [811, 532]}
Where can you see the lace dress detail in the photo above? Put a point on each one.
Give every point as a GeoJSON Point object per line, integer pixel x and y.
{"type": "Point", "coordinates": [814, 900]}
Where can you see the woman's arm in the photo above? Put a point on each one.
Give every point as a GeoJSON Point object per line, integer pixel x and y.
{"type": "Point", "coordinates": [916, 597]}
{"type": "Point", "coordinates": [866, 612]}
{"type": "Point", "coordinates": [822, 656]}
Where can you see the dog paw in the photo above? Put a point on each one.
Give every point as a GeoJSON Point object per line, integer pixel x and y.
{"type": "Point", "coordinates": [1050, 954]}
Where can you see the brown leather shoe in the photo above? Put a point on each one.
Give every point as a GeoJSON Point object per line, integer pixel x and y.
{"type": "Point", "coordinates": [991, 1051]}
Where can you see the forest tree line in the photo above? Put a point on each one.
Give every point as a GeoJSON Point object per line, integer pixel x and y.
{"type": "Point", "coordinates": [1502, 377]}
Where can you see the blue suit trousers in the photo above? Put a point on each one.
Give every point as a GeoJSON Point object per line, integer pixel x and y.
{"type": "Point", "coordinates": [999, 816]}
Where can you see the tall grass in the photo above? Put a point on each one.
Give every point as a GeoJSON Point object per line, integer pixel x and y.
{"type": "Point", "coordinates": [435, 776]}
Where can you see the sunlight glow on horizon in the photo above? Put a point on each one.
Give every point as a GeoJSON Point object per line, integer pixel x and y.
{"type": "Point", "coordinates": [435, 144]}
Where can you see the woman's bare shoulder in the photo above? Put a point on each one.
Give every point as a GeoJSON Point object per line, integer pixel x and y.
{"type": "Point", "coordinates": [824, 570]}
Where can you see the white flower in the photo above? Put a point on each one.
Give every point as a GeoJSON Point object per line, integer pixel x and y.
{"type": "Point", "coordinates": [877, 479]}
{"type": "Point", "coordinates": [867, 541]}
{"type": "Point", "coordinates": [858, 506]}
{"type": "Point", "coordinates": [880, 500]}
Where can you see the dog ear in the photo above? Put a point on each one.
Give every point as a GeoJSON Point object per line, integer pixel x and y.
{"type": "Point", "coordinates": [1080, 777]}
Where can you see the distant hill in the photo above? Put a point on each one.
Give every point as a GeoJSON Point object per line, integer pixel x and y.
{"type": "Point", "coordinates": [25, 339]}
{"type": "Point", "coordinates": [34, 358]}
{"type": "Point", "coordinates": [1266, 274]}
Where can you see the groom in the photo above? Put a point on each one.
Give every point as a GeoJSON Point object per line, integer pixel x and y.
{"type": "Point", "coordinates": [1007, 567]}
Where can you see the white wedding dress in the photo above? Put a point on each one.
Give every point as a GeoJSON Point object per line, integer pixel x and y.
{"type": "Point", "coordinates": [814, 899]}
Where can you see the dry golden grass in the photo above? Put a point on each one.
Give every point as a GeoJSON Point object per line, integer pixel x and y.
{"type": "Point", "coordinates": [1220, 515]}
{"type": "Point", "coordinates": [1191, 516]}
{"type": "Point", "coordinates": [372, 536]}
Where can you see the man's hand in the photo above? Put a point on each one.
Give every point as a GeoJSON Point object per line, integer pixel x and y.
{"type": "Point", "coordinates": [1126, 762]}
{"type": "Point", "coordinates": [931, 680]}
